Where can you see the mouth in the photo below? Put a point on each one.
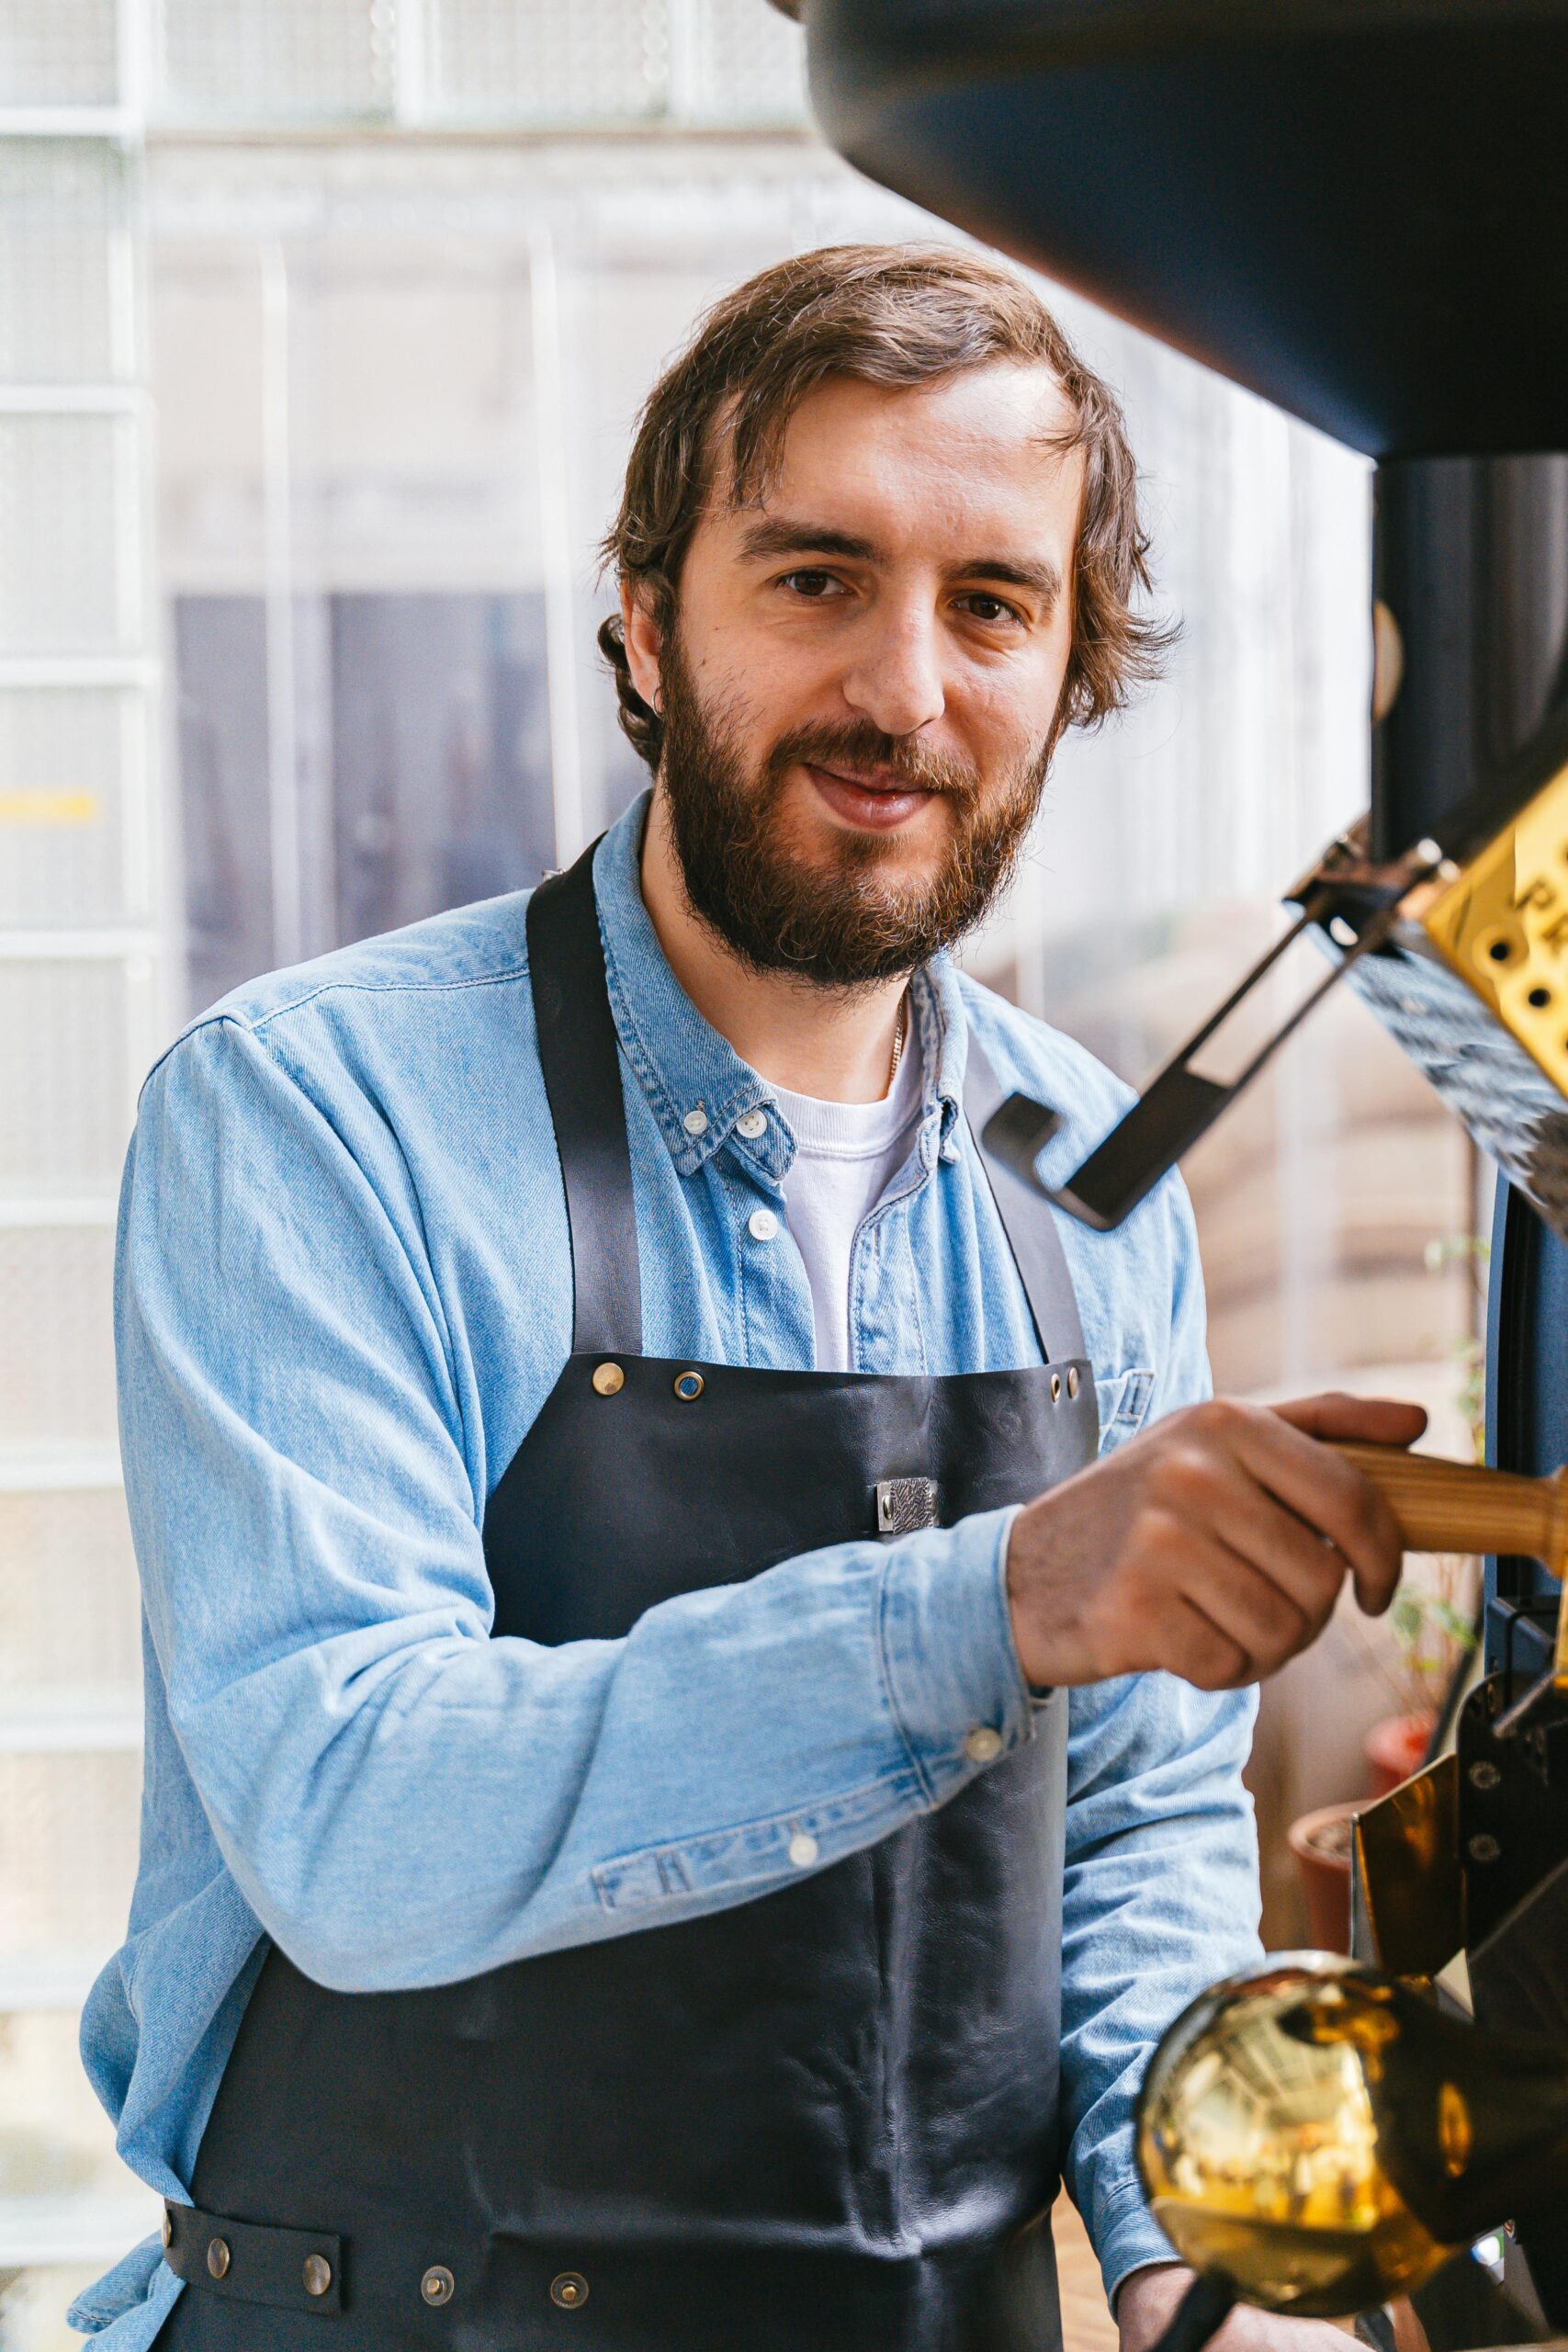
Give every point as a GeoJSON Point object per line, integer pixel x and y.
{"type": "Point", "coordinates": [872, 799]}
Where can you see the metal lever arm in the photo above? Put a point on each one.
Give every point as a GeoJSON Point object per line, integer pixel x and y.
{"type": "Point", "coordinates": [1181, 1104]}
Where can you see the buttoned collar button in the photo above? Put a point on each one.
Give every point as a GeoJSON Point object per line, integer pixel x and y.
{"type": "Point", "coordinates": [751, 1124]}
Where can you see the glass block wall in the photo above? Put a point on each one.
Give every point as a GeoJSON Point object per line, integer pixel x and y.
{"type": "Point", "coordinates": [517, 65]}
{"type": "Point", "coordinates": [81, 1010]}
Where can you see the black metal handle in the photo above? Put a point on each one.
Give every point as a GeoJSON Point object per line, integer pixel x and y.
{"type": "Point", "coordinates": [1203, 2308]}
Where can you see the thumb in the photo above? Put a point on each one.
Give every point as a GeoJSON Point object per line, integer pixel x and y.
{"type": "Point", "coordinates": [1375, 1420]}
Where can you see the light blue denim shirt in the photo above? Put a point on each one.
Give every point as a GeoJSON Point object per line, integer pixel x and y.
{"type": "Point", "coordinates": [344, 1295]}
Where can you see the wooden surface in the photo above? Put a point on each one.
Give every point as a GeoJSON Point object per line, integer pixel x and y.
{"type": "Point", "coordinates": [1087, 2325]}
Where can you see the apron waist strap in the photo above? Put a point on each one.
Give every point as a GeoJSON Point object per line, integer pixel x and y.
{"type": "Point", "coordinates": [250, 2262]}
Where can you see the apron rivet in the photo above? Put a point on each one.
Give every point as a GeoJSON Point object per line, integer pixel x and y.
{"type": "Point", "coordinates": [1072, 1380]}
{"type": "Point", "coordinates": [688, 1384]}
{"type": "Point", "coordinates": [218, 2257]}
{"type": "Point", "coordinates": [437, 2285]}
{"type": "Point", "coordinates": [168, 2227]}
{"type": "Point", "coordinates": [1055, 1388]}
{"type": "Point", "coordinates": [316, 2274]}
{"type": "Point", "coordinates": [608, 1379]}
{"type": "Point", "coordinates": [569, 2289]}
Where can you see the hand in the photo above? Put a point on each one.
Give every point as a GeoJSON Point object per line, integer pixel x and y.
{"type": "Point", "coordinates": [1214, 1545]}
{"type": "Point", "coordinates": [1148, 2299]}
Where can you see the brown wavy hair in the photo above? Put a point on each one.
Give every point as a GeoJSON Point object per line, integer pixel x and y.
{"type": "Point", "coordinates": [898, 316]}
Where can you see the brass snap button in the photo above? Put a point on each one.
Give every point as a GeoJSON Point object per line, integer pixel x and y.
{"type": "Point", "coordinates": [437, 2286]}
{"type": "Point", "coordinates": [688, 1384]}
{"type": "Point", "coordinates": [570, 2290]}
{"type": "Point", "coordinates": [316, 2274]}
{"type": "Point", "coordinates": [608, 1379]}
{"type": "Point", "coordinates": [218, 2257]}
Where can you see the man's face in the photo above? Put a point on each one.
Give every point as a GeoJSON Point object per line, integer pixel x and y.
{"type": "Point", "coordinates": [860, 692]}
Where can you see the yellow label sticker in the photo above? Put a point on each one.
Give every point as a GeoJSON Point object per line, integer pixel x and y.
{"type": "Point", "coordinates": [48, 805]}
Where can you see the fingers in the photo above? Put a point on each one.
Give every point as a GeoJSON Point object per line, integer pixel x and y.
{"type": "Point", "coordinates": [1327, 1492]}
{"type": "Point", "coordinates": [1219, 1495]}
{"type": "Point", "coordinates": [1251, 1613]}
{"type": "Point", "coordinates": [1197, 1608]}
{"type": "Point", "coordinates": [1376, 1421]}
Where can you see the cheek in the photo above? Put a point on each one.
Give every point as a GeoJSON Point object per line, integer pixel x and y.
{"type": "Point", "coordinates": [1007, 723]}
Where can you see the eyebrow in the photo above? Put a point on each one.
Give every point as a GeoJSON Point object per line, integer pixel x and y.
{"type": "Point", "coordinates": [787, 536]}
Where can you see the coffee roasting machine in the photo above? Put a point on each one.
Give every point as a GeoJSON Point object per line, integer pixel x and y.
{"type": "Point", "coordinates": [1357, 209]}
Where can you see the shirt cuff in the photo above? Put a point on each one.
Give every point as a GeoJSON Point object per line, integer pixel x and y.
{"type": "Point", "coordinates": [954, 1680]}
{"type": "Point", "coordinates": [1127, 2238]}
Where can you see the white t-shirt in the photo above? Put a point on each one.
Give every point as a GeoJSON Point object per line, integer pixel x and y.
{"type": "Point", "coordinates": [846, 1155]}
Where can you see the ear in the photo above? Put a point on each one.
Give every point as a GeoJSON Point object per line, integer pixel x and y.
{"type": "Point", "coordinates": [642, 643]}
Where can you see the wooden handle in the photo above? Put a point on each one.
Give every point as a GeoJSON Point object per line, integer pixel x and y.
{"type": "Point", "coordinates": [1457, 1507]}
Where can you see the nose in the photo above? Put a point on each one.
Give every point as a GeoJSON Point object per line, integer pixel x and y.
{"type": "Point", "coordinates": [895, 677]}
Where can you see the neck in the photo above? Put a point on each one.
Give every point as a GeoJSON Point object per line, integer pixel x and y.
{"type": "Point", "coordinates": [836, 1044]}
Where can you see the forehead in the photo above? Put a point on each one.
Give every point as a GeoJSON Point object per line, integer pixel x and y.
{"type": "Point", "coordinates": [969, 452]}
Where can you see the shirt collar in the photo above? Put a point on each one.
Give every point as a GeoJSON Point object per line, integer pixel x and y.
{"type": "Point", "coordinates": [694, 1078]}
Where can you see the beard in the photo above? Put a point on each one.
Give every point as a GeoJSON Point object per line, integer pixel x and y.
{"type": "Point", "coordinates": [843, 918]}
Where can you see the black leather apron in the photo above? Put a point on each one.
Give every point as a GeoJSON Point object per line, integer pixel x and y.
{"type": "Point", "coordinates": [824, 2118]}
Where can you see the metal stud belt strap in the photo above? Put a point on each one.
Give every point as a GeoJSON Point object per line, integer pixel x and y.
{"type": "Point", "coordinates": [295, 2270]}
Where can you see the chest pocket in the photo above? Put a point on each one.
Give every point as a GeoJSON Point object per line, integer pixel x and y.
{"type": "Point", "coordinates": [1123, 1399]}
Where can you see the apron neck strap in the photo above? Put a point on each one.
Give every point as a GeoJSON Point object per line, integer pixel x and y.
{"type": "Point", "coordinates": [579, 1056]}
{"type": "Point", "coordinates": [1028, 1219]}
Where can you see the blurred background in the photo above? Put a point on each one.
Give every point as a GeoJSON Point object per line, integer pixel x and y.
{"type": "Point", "coordinates": [322, 326]}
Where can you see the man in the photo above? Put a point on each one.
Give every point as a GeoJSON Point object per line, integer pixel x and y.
{"type": "Point", "coordinates": [647, 1688]}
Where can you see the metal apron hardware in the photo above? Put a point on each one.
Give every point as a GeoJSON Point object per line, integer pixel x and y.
{"type": "Point", "coordinates": [823, 2118]}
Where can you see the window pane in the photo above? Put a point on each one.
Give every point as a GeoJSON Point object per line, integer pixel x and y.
{"type": "Point", "coordinates": [57, 52]}
{"type": "Point", "coordinates": [69, 556]}
{"type": "Point", "coordinates": [67, 758]}
{"type": "Point", "coordinates": [536, 61]}
{"type": "Point", "coordinates": [65, 1076]}
{"type": "Point", "coordinates": [64, 261]}
{"type": "Point", "coordinates": [56, 1341]}
{"type": "Point", "coordinates": [290, 59]}
{"type": "Point", "coordinates": [69, 1611]}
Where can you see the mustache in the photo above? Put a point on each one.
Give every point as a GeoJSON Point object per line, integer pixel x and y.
{"type": "Point", "coordinates": [858, 744]}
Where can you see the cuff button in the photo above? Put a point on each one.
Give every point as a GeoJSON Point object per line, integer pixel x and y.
{"type": "Point", "coordinates": [983, 1745]}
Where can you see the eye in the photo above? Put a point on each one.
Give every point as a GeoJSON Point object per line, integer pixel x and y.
{"type": "Point", "coordinates": [982, 606]}
{"type": "Point", "coordinates": [814, 586]}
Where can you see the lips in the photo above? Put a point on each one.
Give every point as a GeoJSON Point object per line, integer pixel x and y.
{"type": "Point", "coordinates": [873, 802]}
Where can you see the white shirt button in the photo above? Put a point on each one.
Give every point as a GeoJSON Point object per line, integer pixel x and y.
{"type": "Point", "coordinates": [803, 1850]}
{"type": "Point", "coordinates": [695, 1122]}
{"type": "Point", "coordinates": [751, 1124]}
{"type": "Point", "coordinates": [761, 1225]}
{"type": "Point", "coordinates": [983, 1745]}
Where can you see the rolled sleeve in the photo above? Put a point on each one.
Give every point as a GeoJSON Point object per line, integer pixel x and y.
{"type": "Point", "coordinates": [951, 1665]}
